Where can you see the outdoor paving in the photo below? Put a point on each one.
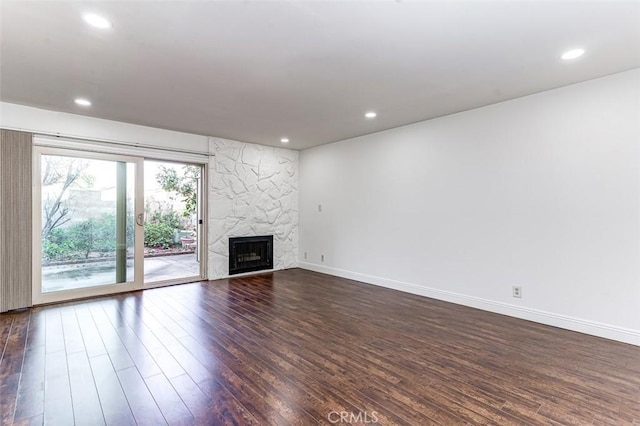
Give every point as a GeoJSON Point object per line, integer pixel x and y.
{"type": "Point", "coordinates": [81, 275]}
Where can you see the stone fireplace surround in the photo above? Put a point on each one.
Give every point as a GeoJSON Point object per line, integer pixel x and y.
{"type": "Point", "coordinates": [253, 190]}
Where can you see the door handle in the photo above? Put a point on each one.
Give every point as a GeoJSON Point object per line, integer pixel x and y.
{"type": "Point", "coordinates": [140, 219]}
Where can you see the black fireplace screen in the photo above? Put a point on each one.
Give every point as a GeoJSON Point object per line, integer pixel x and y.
{"type": "Point", "coordinates": [248, 254]}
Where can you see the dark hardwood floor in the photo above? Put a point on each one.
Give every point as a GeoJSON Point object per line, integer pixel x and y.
{"type": "Point", "coordinates": [297, 347]}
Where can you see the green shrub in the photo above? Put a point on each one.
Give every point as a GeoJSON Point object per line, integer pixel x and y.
{"type": "Point", "coordinates": [158, 234]}
{"type": "Point", "coordinates": [81, 239]}
{"type": "Point", "coordinates": [57, 246]}
{"type": "Point", "coordinates": [170, 218]}
{"type": "Point", "coordinates": [94, 235]}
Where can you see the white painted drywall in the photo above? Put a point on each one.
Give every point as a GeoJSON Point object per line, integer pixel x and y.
{"type": "Point", "coordinates": [42, 121]}
{"type": "Point", "coordinates": [540, 192]}
{"type": "Point", "coordinates": [253, 190]}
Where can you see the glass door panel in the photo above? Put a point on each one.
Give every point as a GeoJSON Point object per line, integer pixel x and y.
{"type": "Point", "coordinates": [171, 243]}
{"type": "Point", "coordinates": [89, 239]}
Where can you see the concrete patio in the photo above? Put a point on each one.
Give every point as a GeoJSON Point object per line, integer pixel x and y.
{"type": "Point", "coordinates": [90, 274]}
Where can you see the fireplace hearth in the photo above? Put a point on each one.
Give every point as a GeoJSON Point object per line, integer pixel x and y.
{"type": "Point", "coordinates": [248, 254]}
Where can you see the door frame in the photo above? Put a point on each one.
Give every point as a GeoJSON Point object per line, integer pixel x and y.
{"type": "Point", "coordinates": [64, 295]}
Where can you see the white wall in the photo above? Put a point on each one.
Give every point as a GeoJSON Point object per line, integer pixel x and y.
{"type": "Point", "coordinates": [253, 190]}
{"type": "Point", "coordinates": [540, 192]}
{"type": "Point", "coordinates": [42, 121]}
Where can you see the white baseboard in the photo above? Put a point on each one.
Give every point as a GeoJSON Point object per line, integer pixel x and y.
{"type": "Point", "coordinates": [607, 331]}
{"type": "Point", "coordinates": [245, 274]}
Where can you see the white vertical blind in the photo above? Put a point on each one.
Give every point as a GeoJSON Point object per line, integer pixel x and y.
{"type": "Point", "coordinates": [15, 219]}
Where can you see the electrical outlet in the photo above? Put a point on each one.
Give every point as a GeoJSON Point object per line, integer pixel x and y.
{"type": "Point", "coordinates": [322, 258]}
{"type": "Point", "coordinates": [305, 254]}
{"type": "Point", "coordinates": [517, 291]}
{"type": "Point", "coordinates": [319, 207]}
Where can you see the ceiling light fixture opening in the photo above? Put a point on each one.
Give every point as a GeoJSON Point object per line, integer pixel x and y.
{"type": "Point", "coordinates": [371, 114]}
{"type": "Point", "coordinates": [284, 140]}
{"type": "Point", "coordinates": [96, 21]}
{"type": "Point", "coordinates": [572, 54]}
{"type": "Point", "coordinates": [82, 102]}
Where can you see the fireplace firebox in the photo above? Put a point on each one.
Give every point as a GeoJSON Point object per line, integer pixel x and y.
{"type": "Point", "coordinates": [247, 254]}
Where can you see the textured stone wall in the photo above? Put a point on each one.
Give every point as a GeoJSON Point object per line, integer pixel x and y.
{"type": "Point", "coordinates": [253, 190]}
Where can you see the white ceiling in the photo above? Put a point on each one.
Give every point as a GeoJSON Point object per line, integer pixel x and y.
{"type": "Point", "coordinates": [258, 71]}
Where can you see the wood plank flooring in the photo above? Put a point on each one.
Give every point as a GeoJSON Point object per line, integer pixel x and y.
{"type": "Point", "coordinates": [296, 348]}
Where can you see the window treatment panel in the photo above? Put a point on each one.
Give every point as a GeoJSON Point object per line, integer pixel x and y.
{"type": "Point", "coordinates": [15, 219]}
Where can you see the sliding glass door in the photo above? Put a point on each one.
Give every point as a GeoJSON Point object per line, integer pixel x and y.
{"type": "Point", "coordinates": [173, 222]}
{"type": "Point", "coordinates": [89, 222]}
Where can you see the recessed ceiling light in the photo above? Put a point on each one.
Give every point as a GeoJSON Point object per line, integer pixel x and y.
{"type": "Point", "coordinates": [572, 54]}
{"type": "Point", "coordinates": [370, 114]}
{"type": "Point", "coordinates": [284, 140]}
{"type": "Point", "coordinates": [82, 102]}
{"type": "Point", "coordinates": [96, 21]}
